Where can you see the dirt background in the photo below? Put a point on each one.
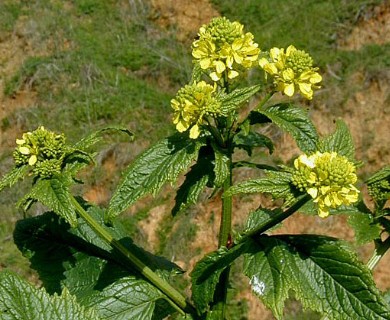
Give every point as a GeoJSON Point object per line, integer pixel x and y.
{"type": "Point", "coordinates": [368, 108]}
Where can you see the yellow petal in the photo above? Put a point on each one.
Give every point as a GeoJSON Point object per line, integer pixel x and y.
{"type": "Point", "coordinates": [290, 50]}
{"type": "Point", "coordinates": [232, 74]}
{"type": "Point", "coordinates": [215, 76]}
{"type": "Point", "coordinates": [263, 62]}
{"type": "Point", "coordinates": [306, 90]}
{"type": "Point", "coordinates": [24, 150]}
{"type": "Point", "coordinates": [33, 159]}
{"type": "Point", "coordinates": [313, 192]}
{"type": "Point", "coordinates": [194, 132]}
{"type": "Point", "coordinates": [20, 141]}
{"type": "Point", "coordinates": [323, 213]}
{"type": "Point", "coordinates": [289, 90]}
{"type": "Point", "coordinates": [219, 66]}
{"type": "Point", "coordinates": [205, 63]}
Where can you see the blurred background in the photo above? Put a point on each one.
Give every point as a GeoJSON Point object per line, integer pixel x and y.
{"type": "Point", "coordinates": [79, 65]}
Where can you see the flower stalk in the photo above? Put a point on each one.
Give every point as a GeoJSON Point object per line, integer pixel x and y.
{"type": "Point", "coordinates": [173, 296]}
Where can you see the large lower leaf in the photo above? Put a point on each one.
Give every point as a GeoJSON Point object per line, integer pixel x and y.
{"type": "Point", "coordinates": [161, 163]}
{"type": "Point", "coordinates": [207, 272]}
{"type": "Point", "coordinates": [81, 261]}
{"type": "Point", "coordinates": [20, 300]}
{"type": "Point", "coordinates": [295, 121]}
{"type": "Point", "coordinates": [323, 273]}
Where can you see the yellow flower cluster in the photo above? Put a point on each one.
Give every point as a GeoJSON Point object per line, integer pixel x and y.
{"type": "Point", "coordinates": [223, 47]}
{"type": "Point", "coordinates": [292, 70]}
{"type": "Point", "coordinates": [192, 104]}
{"type": "Point", "coordinates": [328, 178]}
{"type": "Point", "coordinates": [42, 149]}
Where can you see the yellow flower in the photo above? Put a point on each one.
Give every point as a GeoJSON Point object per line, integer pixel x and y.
{"type": "Point", "coordinates": [223, 47]}
{"type": "Point", "coordinates": [42, 149]}
{"type": "Point", "coordinates": [328, 178]}
{"type": "Point", "coordinates": [292, 70]}
{"type": "Point", "coordinates": [191, 104]}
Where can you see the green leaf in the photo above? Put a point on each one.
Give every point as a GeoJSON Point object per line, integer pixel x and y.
{"type": "Point", "coordinates": [10, 178]}
{"type": "Point", "coordinates": [256, 219]}
{"type": "Point", "coordinates": [206, 273]}
{"type": "Point", "coordinates": [197, 73]}
{"type": "Point", "coordinates": [233, 100]}
{"type": "Point", "coordinates": [340, 141]}
{"type": "Point", "coordinates": [98, 136]}
{"type": "Point", "coordinates": [277, 183]}
{"type": "Point", "coordinates": [161, 163]}
{"type": "Point", "coordinates": [20, 300]}
{"type": "Point", "coordinates": [382, 174]}
{"type": "Point", "coordinates": [252, 140]}
{"type": "Point", "coordinates": [221, 166]}
{"type": "Point", "coordinates": [54, 193]}
{"type": "Point", "coordinates": [324, 274]}
{"type": "Point", "coordinates": [295, 121]}
{"type": "Point", "coordinates": [199, 176]}
{"type": "Point", "coordinates": [366, 229]}
{"type": "Point", "coordinates": [78, 259]}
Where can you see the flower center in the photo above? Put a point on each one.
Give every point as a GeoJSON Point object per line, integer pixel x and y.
{"type": "Point", "coordinates": [299, 61]}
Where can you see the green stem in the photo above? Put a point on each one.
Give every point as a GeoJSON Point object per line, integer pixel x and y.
{"type": "Point", "coordinates": [276, 218]}
{"type": "Point", "coordinates": [174, 297]}
{"type": "Point", "coordinates": [264, 100]}
{"type": "Point", "coordinates": [226, 217]}
{"type": "Point", "coordinates": [220, 294]}
{"type": "Point", "coordinates": [381, 248]}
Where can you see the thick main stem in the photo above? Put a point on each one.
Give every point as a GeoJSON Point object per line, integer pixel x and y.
{"type": "Point", "coordinates": [380, 250]}
{"type": "Point", "coordinates": [174, 297]}
{"type": "Point", "coordinates": [220, 295]}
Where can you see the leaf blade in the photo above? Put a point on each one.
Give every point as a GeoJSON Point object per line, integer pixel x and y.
{"type": "Point", "coordinates": [295, 121]}
{"type": "Point", "coordinates": [162, 163]}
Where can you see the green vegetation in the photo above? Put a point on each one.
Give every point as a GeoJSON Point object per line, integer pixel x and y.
{"type": "Point", "coordinates": [97, 63]}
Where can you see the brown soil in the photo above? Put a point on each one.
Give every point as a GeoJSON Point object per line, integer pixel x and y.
{"type": "Point", "coordinates": [184, 15]}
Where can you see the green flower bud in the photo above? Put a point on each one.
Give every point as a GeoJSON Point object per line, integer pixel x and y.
{"type": "Point", "coordinates": [328, 178]}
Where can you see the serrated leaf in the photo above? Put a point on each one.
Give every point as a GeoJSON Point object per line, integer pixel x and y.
{"type": "Point", "coordinates": [98, 135]}
{"type": "Point", "coordinates": [324, 274]}
{"type": "Point", "coordinates": [366, 229]}
{"type": "Point", "coordinates": [277, 183]}
{"type": "Point", "coordinates": [197, 73]}
{"type": "Point", "coordinates": [128, 298]}
{"type": "Point", "coordinates": [162, 163]}
{"type": "Point", "coordinates": [54, 193]}
{"type": "Point", "coordinates": [257, 218]}
{"type": "Point", "coordinates": [295, 121]}
{"type": "Point", "coordinates": [206, 273]}
{"type": "Point", "coordinates": [78, 259]}
{"type": "Point", "coordinates": [340, 141]}
{"type": "Point", "coordinates": [221, 167]}
{"type": "Point", "coordinates": [233, 100]}
{"type": "Point", "coordinates": [380, 175]}
{"type": "Point", "coordinates": [198, 177]}
{"type": "Point", "coordinates": [20, 300]}
{"type": "Point", "coordinates": [252, 140]}
{"type": "Point", "coordinates": [10, 178]}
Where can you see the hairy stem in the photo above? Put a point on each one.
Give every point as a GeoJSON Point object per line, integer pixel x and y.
{"type": "Point", "coordinates": [220, 295]}
{"type": "Point", "coordinates": [276, 218]}
{"type": "Point", "coordinates": [381, 248]}
{"type": "Point", "coordinates": [173, 296]}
